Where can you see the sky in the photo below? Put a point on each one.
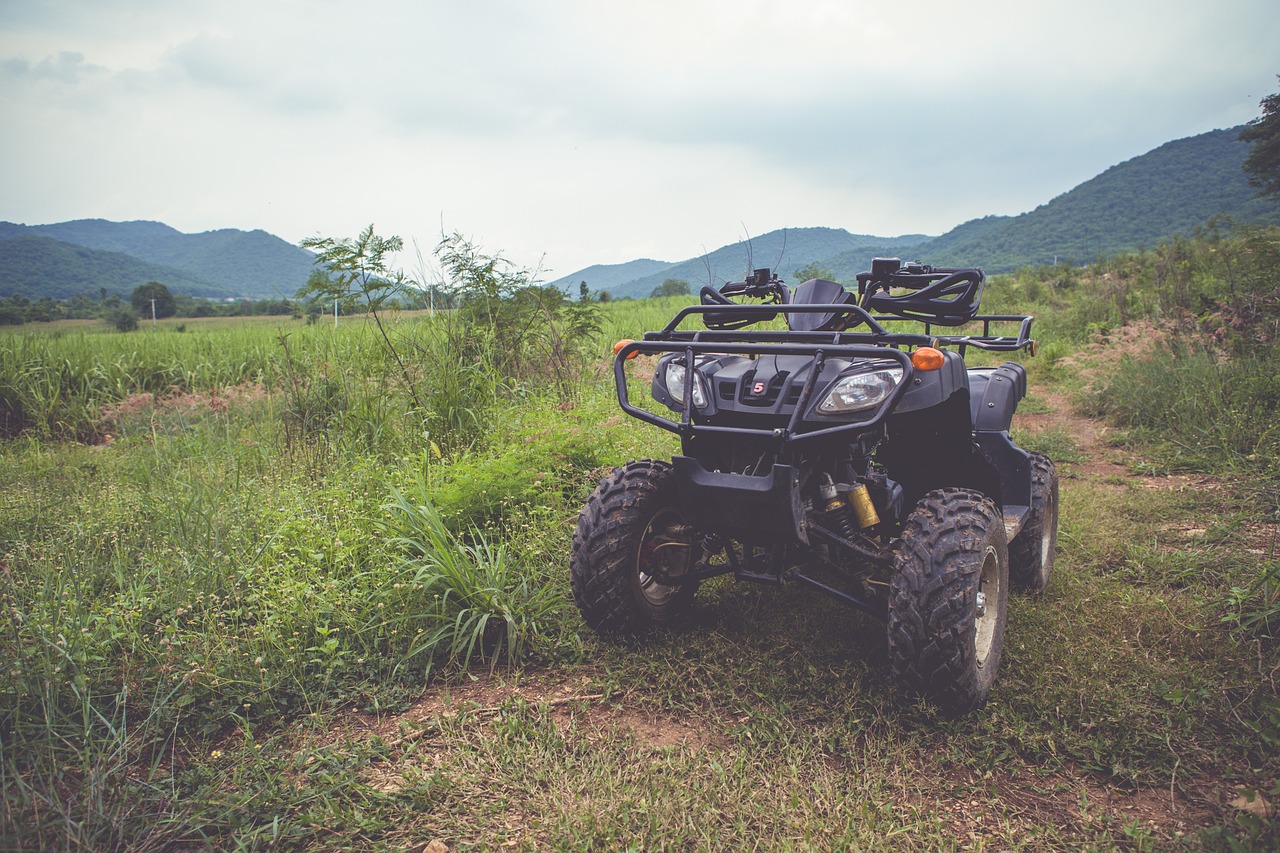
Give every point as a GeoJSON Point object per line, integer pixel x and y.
{"type": "Point", "coordinates": [564, 133]}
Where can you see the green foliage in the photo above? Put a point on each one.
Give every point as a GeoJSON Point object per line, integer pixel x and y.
{"type": "Point", "coordinates": [533, 332]}
{"type": "Point", "coordinates": [152, 299]}
{"type": "Point", "coordinates": [671, 287]}
{"type": "Point", "coordinates": [486, 606]}
{"type": "Point", "coordinates": [354, 269]}
{"type": "Point", "coordinates": [122, 319]}
{"type": "Point", "coordinates": [1263, 136]}
{"type": "Point", "coordinates": [1209, 413]}
{"type": "Point", "coordinates": [360, 269]}
{"type": "Point", "coordinates": [812, 270]}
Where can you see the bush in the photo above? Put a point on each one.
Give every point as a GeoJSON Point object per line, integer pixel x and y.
{"type": "Point", "coordinates": [122, 319]}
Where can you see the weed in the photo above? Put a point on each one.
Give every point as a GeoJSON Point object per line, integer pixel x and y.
{"type": "Point", "coordinates": [486, 606]}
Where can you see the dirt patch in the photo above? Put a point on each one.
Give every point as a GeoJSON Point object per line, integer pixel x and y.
{"type": "Point", "coordinates": [1089, 436]}
{"type": "Point", "coordinates": [574, 702]}
{"type": "Point", "coordinates": [149, 407]}
{"type": "Point", "coordinates": [1071, 802]}
{"type": "Point", "coordinates": [1140, 340]}
{"type": "Point", "coordinates": [1076, 801]}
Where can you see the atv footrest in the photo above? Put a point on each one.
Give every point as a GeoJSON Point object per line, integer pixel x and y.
{"type": "Point", "coordinates": [1014, 518]}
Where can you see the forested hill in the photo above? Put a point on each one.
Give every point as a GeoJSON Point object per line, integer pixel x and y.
{"type": "Point", "coordinates": [227, 262]}
{"type": "Point", "coordinates": [610, 276]}
{"type": "Point", "coordinates": [1162, 193]}
{"type": "Point", "coordinates": [784, 250]}
{"type": "Point", "coordinates": [1137, 203]}
{"type": "Point", "coordinates": [35, 267]}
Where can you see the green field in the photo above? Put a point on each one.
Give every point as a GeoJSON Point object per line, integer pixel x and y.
{"type": "Point", "coordinates": [263, 585]}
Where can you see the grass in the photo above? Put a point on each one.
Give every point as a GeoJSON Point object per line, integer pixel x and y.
{"type": "Point", "coordinates": [265, 619]}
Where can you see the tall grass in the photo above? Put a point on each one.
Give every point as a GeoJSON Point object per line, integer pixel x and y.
{"type": "Point", "coordinates": [1212, 413]}
{"type": "Point", "coordinates": [485, 604]}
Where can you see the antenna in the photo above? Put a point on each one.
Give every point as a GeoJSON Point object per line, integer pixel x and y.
{"type": "Point", "coordinates": [781, 252]}
{"type": "Point", "coordinates": [751, 262]}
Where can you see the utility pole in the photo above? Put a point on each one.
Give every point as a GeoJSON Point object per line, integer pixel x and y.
{"type": "Point", "coordinates": [335, 313]}
{"type": "Point", "coordinates": [153, 313]}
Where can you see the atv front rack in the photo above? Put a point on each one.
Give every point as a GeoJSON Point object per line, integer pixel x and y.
{"type": "Point", "coordinates": [877, 342]}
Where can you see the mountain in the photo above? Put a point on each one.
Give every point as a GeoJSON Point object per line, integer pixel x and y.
{"type": "Point", "coordinates": [228, 262]}
{"type": "Point", "coordinates": [785, 251]}
{"type": "Point", "coordinates": [1167, 191]}
{"type": "Point", "coordinates": [1162, 193]}
{"type": "Point", "coordinates": [34, 266]}
{"type": "Point", "coordinates": [608, 276]}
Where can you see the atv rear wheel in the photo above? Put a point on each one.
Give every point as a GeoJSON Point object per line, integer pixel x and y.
{"type": "Point", "coordinates": [948, 597]}
{"type": "Point", "coordinates": [633, 552]}
{"type": "Point", "coordinates": [1031, 551]}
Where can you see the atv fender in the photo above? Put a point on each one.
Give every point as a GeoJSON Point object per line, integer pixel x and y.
{"type": "Point", "coordinates": [994, 393]}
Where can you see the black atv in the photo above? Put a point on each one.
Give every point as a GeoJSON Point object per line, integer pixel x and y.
{"type": "Point", "coordinates": [864, 461]}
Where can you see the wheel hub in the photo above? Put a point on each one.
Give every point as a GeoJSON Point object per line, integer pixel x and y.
{"type": "Point", "coordinates": [664, 556]}
{"type": "Point", "coordinates": [984, 618]}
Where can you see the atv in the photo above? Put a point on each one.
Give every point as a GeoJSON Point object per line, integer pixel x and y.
{"type": "Point", "coordinates": [851, 451]}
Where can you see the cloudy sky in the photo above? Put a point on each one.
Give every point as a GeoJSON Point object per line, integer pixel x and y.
{"type": "Point", "coordinates": [567, 132]}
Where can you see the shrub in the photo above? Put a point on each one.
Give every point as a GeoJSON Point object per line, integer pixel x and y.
{"type": "Point", "coordinates": [487, 606]}
{"type": "Point", "coordinates": [122, 319]}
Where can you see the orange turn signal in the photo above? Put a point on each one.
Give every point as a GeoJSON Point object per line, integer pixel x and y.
{"type": "Point", "coordinates": [617, 348]}
{"type": "Point", "coordinates": [926, 358]}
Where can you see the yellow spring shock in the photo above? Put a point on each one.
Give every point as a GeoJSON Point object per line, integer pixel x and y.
{"type": "Point", "coordinates": [863, 507]}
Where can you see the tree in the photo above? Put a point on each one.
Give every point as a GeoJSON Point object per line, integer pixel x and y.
{"type": "Point", "coordinates": [360, 269]}
{"type": "Point", "coordinates": [144, 293]}
{"type": "Point", "coordinates": [813, 270]}
{"type": "Point", "coordinates": [1263, 135]}
{"type": "Point", "coordinates": [584, 293]}
{"type": "Point", "coordinates": [671, 287]}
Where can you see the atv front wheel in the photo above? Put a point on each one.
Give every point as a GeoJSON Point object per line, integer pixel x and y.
{"type": "Point", "coordinates": [633, 552]}
{"type": "Point", "coordinates": [1031, 551]}
{"type": "Point", "coordinates": [948, 597]}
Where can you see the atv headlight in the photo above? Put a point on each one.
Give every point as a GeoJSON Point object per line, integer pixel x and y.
{"type": "Point", "coordinates": [860, 391]}
{"type": "Point", "coordinates": [675, 386]}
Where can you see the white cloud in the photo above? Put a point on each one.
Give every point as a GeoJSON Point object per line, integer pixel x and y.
{"type": "Point", "coordinates": [596, 132]}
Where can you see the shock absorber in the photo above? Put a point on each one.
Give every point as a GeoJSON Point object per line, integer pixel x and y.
{"type": "Point", "coordinates": [835, 511]}
{"type": "Point", "coordinates": [863, 506]}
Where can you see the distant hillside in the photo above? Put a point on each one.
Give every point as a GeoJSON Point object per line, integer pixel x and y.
{"type": "Point", "coordinates": [785, 251]}
{"type": "Point", "coordinates": [609, 276]}
{"type": "Point", "coordinates": [1139, 202]}
{"type": "Point", "coordinates": [35, 267]}
{"type": "Point", "coordinates": [229, 262]}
